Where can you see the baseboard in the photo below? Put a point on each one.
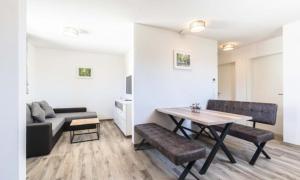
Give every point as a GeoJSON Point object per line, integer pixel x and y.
{"type": "Point", "coordinates": [278, 137]}
{"type": "Point", "coordinates": [291, 145]}
{"type": "Point", "coordinates": [129, 136]}
{"type": "Point", "coordinates": [105, 119]}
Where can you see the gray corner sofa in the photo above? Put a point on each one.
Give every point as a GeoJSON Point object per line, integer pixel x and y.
{"type": "Point", "coordinates": [42, 136]}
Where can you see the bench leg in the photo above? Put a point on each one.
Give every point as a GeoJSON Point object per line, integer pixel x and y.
{"type": "Point", "coordinates": [186, 170]}
{"type": "Point", "coordinates": [264, 152]}
{"type": "Point", "coordinates": [257, 153]}
{"type": "Point", "coordinates": [138, 147]}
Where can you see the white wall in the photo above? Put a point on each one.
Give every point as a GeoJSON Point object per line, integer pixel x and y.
{"type": "Point", "coordinates": [30, 60]}
{"type": "Point", "coordinates": [12, 91]}
{"type": "Point", "coordinates": [242, 58]}
{"type": "Point", "coordinates": [158, 84]}
{"type": "Point", "coordinates": [291, 86]}
{"type": "Point", "coordinates": [52, 77]}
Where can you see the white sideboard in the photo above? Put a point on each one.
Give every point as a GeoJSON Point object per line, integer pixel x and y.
{"type": "Point", "coordinates": [123, 116]}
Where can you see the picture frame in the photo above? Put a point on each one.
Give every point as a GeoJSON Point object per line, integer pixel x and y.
{"type": "Point", "coordinates": [182, 59]}
{"type": "Point", "coordinates": [84, 72]}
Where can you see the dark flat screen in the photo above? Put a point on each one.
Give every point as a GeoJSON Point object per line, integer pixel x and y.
{"type": "Point", "coordinates": [129, 85]}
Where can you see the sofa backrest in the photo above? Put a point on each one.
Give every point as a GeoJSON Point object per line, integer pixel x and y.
{"type": "Point", "coordinates": [29, 118]}
{"type": "Point", "coordinates": [260, 112]}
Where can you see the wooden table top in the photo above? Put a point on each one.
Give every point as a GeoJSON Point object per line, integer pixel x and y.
{"type": "Point", "coordinates": [205, 117]}
{"type": "Point", "coordinates": [79, 122]}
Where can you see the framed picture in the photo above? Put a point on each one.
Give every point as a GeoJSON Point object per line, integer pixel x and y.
{"type": "Point", "coordinates": [84, 72]}
{"type": "Point", "coordinates": [182, 59]}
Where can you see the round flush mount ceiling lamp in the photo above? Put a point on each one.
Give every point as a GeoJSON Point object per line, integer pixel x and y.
{"type": "Point", "coordinates": [228, 46]}
{"type": "Point", "coordinates": [71, 32]}
{"type": "Point", "coordinates": [197, 26]}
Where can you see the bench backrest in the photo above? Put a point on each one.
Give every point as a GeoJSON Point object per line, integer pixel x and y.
{"type": "Point", "coordinates": [260, 112]}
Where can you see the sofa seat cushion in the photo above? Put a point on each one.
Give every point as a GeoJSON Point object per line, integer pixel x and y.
{"type": "Point", "coordinates": [248, 133]}
{"type": "Point", "coordinates": [177, 148]}
{"type": "Point", "coordinates": [57, 124]}
{"type": "Point", "coordinates": [76, 115]}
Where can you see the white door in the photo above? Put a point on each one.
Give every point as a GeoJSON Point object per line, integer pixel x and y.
{"type": "Point", "coordinates": [226, 85]}
{"type": "Point", "coordinates": [267, 85]}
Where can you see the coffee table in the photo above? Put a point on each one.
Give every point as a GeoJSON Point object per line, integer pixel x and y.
{"type": "Point", "coordinates": [84, 124]}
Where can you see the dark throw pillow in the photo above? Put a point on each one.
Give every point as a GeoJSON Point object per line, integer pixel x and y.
{"type": "Point", "coordinates": [29, 118]}
{"type": "Point", "coordinates": [37, 112]}
{"type": "Point", "coordinates": [48, 109]}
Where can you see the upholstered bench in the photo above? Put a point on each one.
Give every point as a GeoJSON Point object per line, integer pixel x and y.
{"type": "Point", "coordinates": [264, 113]}
{"type": "Point", "coordinates": [176, 148]}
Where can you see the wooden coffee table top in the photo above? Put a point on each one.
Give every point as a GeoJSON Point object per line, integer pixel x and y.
{"type": "Point", "coordinates": [80, 122]}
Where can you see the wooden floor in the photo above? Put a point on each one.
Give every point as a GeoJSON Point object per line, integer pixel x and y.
{"type": "Point", "coordinates": [113, 157]}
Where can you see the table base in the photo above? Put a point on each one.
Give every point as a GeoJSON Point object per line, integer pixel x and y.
{"type": "Point", "coordinates": [213, 135]}
{"type": "Point", "coordinates": [73, 134]}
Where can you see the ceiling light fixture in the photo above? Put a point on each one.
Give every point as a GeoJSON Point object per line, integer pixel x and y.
{"type": "Point", "coordinates": [197, 26]}
{"type": "Point", "coordinates": [228, 46]}
{"type": "Point", "coordinates": [71, 32]}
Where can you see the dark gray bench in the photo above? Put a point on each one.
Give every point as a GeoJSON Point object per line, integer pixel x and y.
{"type": "Point", "coordinates": [264, 113]}
{"type": "Point", "coordinates": [176, 148]}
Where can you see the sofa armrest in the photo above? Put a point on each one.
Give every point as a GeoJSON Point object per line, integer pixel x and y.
{"type": "Point", "coordinates": [38, 139]}
{"type": "Point", "coordinates": [70, 110]}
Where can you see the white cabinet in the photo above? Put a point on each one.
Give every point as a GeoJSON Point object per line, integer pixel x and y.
{"type": "Point", "coordinates": [123, 116]}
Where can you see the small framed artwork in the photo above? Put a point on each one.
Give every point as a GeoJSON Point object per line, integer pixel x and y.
{"type": "Point", "coordinates": [182, 59]}
{"type": "Point", "coordinates": [84, 72]}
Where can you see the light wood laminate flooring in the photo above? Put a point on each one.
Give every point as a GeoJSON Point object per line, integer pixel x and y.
{"type": "Point", "coordinates": [113, 157]}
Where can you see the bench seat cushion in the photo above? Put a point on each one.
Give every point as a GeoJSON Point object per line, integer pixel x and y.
{"type": "Point", "coordinates": [248, 133]}
{"type": "Point", "coordinates": [177, 148]}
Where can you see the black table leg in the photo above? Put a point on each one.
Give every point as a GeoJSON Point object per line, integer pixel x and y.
{"type": "Point", "coordinates": [97, 132]}
{"type": "Point", "coordinates": [202, 130]}
{"type": "Point", "coordinates": [179, 126]}
{"type": "Point", "coordinates": [186, 170]}
{"type": "Point", "coordinates": [222, 145]}
{"type": "Point", "coordinates": [70, 136]}
{"type": "Point", "coordinates": [98, 129]}
{"type": "Point", "coordinates": [219, 143]}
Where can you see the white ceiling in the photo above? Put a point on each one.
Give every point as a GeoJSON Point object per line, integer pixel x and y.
{"type": "Point", "coordinates": [108, 22]}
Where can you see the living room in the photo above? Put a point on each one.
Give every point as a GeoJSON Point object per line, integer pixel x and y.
{"type": "Point", "coordinates": [116, 90]}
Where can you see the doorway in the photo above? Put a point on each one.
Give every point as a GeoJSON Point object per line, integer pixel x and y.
{"type": "Point", "coordinates": [267, 86]}
{"type": "Point", "coordinates": [226, 85]}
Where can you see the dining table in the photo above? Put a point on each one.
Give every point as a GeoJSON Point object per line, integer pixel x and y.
{"type": "Point", "coordinates": [205, 119]}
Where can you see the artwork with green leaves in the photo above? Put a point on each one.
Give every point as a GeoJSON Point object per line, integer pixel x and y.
{"type": "Point", "coordinates": [84, 72]}
{"type": "Point", "coordinates": [182, 59]}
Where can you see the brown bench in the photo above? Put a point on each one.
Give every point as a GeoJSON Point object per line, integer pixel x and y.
{"type": "Point", "coordinates": [176, 148]}
{"type": "Point", "coordinates": [264, 113]}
